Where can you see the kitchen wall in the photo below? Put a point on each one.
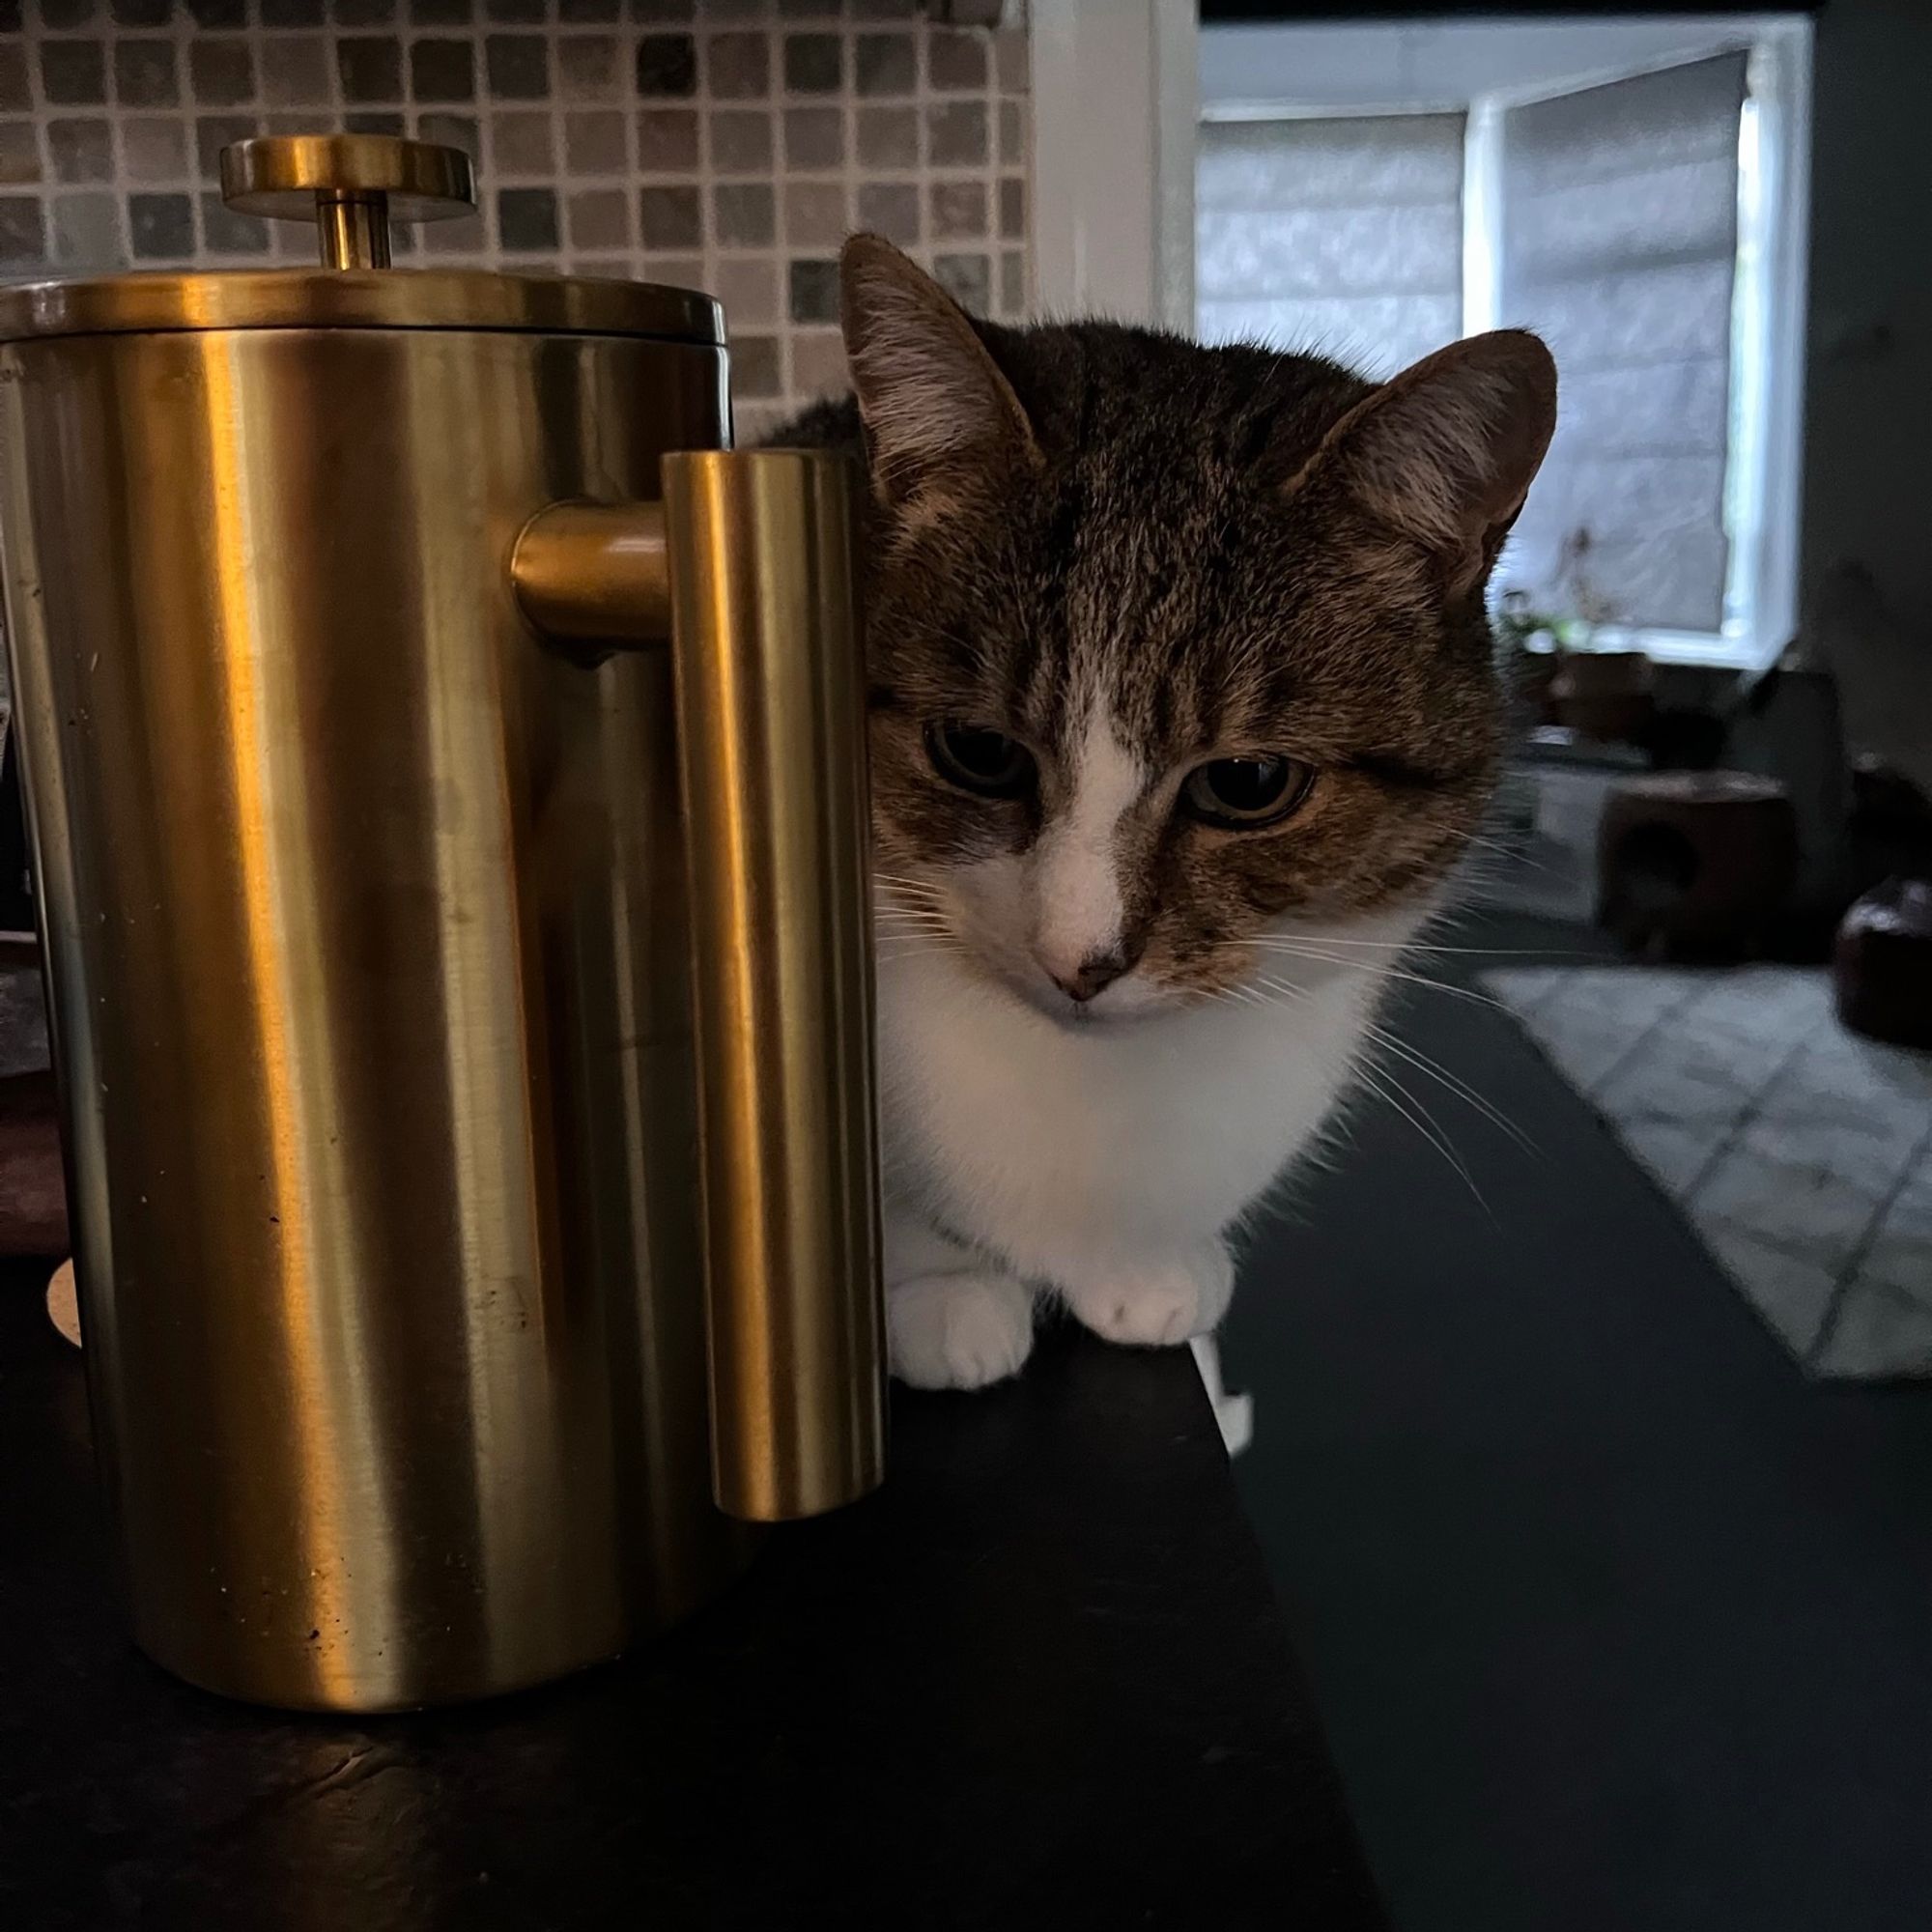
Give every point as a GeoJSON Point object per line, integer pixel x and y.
{"type": "Point", "coordinates": [724, 144]}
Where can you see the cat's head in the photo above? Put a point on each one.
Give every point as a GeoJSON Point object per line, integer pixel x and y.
{"type": "Point", "coordinates": [1169, 645]}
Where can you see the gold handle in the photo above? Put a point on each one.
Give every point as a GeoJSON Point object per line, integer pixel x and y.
{"type": "Point", "coordinates": [351, 186]}
{"type": "Point", "coordinates": [750, 556]}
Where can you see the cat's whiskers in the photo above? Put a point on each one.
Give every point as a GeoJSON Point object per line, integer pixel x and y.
{"type": "Point", "coordinates": [1423, 1064]}
{"type": "Point", "coordinates": [1380, 1081]}
{"type": "Point", "coordinates": [1461, 1088]}
{"type": "Point", "coordinates": [1373, 967]}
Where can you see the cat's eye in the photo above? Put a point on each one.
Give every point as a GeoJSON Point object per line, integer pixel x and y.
{"type": "Point", "coordinates": [979, 760]}
{"type": "Point", "coordinates": [1243, 794]}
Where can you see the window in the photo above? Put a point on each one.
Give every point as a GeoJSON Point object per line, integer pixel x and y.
{"type": "Point", "coordinates": [1649, 226]}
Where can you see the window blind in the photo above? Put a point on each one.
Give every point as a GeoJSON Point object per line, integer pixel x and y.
{"type": "Point", "coordinates": [1619, 240]}
{"type": "Point", "coordinates": [1343, 236]}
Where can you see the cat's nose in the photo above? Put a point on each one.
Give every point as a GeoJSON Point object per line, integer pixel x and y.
{"type": "Point", "coordinates": [1094, 974]}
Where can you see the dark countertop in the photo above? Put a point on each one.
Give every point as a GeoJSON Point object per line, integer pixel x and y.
{"type": "Point", "coordinates": [1041, 1679]}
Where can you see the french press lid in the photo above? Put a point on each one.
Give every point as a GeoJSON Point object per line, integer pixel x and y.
{"type": "Point", "coordinates": [352, 186]}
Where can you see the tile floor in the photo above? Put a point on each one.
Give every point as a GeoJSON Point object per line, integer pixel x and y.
{"type": "Point", "coordinates": [1801, 1154]}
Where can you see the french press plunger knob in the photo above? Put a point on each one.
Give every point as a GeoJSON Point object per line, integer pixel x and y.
{"type": "Point", "coordinates": [351, 186]}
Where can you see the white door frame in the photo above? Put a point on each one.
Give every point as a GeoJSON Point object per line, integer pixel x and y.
{"type": "Point", "coordinates": [1115, 101]}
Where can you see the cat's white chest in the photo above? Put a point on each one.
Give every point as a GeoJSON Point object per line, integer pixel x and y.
{"type": "Point", "coordinates": [1040, 1140]}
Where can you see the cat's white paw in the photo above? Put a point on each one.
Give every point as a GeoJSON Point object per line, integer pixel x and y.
{"type": "Point", "coordinates": [1154, 1303]}
{"type": "Point", "coordinates": [958, 1330]}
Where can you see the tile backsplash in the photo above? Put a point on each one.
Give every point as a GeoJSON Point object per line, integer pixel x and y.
{"type": "Point", "coordinates": [722, 144]}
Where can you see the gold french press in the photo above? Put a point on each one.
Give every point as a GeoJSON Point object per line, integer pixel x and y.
{"type": "Point", "coordinates": [445, 760]}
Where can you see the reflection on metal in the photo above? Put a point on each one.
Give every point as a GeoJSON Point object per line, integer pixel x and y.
{"type": "Point", "coordinates": [370, 937]}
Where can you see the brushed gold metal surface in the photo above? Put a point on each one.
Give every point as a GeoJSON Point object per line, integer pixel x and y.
{"type": "Point", "coordinates": [594, 572]}
{"type": "Point", "coordinates": [351, 186]}
{"type": "Point", "coordinates": [280, 176]}
{"type": "Point", "coordinates": [367, 930]}
{"type": "Point", "coordinates": [772, 747]}
{"type": "Point", "coordinates": [359, 298]}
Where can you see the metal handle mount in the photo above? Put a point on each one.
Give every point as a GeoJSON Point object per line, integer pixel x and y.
{"type": "Point", "coordinates": [351, 186]}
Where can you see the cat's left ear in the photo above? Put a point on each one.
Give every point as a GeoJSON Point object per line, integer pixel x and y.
{"type": "Point", "coordinates": [933, 400]}
{"type": "Point", "coordinates": [1446, 452]}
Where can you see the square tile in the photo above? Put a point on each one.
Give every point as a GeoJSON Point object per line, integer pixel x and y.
{"type": "Point", "coordinates": [956, 133]}
{"type": "Point", "coordinates": [23, 237]}
{"type": "Point", "coordinates": [160, 227]}
{"type": "Point", "coordinates": [370, 68]}
{"type": "Point", "coordinates": [667, 140]}
{"type": "Point", "coordinates": [19, 154]}
{"type": "Point", "coordinates": [221, 71]}
{"type": "Point", "coordinates": [294, 69]}
{"type": "Point", "coordinates": [226, 233]}
{"type": "Point", "coordinates": [16, 94]}
{"type": "Point", "coordinates": [815, 137]}
{"type": "Point", "coordinates": [737, 66]}
{"type": "Point", "coordinates": [813, 63]}
{"type": "Point", "coordinates": [518, 66]}
{"type": "Point", "coordinates": [81, 151]}
{"type": "Point", "coordinates": [1012, 133]}
{"type": "Point", "coordinates": [813, 290]}
{"type": "Point", "coordinates": [600, 218]}
{"type": "Point", "coordinates": [954, 61]}
{"type": "Point", "coordinates": [814, 214]}
{"type": "Point", "coordinates": [1013, 209]}
{"type": "Point", "coordinates": [891, 209]}
{"type": "Point", "coordinates": [886, 63]}
{"type": "Point", "coordinates": [819, 363]}
{"type": "Point", "coordinates": [748, 288]}
{"type": "Point", "coordinates": [362, 13]}
{"type": "Point", "coordinates": [957, 210]}
{"type": "Point", "coordinates": [87, 231]}
{"type": "Point", "coordinates": [1011, 62]}
{"type": "Point", "coordinates": [888, 137]}
{"type": "Point", "coordinates": [754, 366]}
{"type": "Point", "coordinates": [135, 12]}
{"type": "Point", "coordinates": [153, 148]}
{"type": "Point", "coordinates": [596, 144]}
{"type": "Point", "coordinates": [443, 70]}
{"type": "Point", "coordinates": [73, 73]}
{"type": "Point", "coordinates": [667, 66]}
{"type": "Point", "coordinates": [743, 214]}
{"type": "Point", "coordinates": [587, 66]}
{"type": "Point", "coordinates": [144, 75]}
{"type": "Point", "coordinates": [214, 14]}
{"type": "Point", "coordinates": [1013, 284]}
{"type": "Point", "coordinates": [291, 13]}
{"type": "Point", "coordinates": [741, 140]}
{"type": "Point", "coordinates": [527, 221]}
{"type": "Point", "coordinates": [967, 278]}
{"type": "Point", "coordinates": [521, 144]}
{"type": "Point", "coordinates": [670, 217]}
{"type": "Point", "coordinates": [515, 12]}
{"type": "Point", "coordinates": [440, 12]}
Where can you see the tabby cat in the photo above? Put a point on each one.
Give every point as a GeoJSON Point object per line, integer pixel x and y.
{"type": "Point", "coordinates": [1183, 705]}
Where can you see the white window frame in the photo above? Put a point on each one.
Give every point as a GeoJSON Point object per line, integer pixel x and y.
{"type": "Point", "coordinates": [1764, 465]}
{"type": "Point", "coordinates": [1764, 456]}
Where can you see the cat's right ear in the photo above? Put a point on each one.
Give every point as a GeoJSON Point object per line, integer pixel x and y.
{"type": "Point", "coordinates": [931, 397]}
{"type": "Point", "coordinates": [1446, 452]}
